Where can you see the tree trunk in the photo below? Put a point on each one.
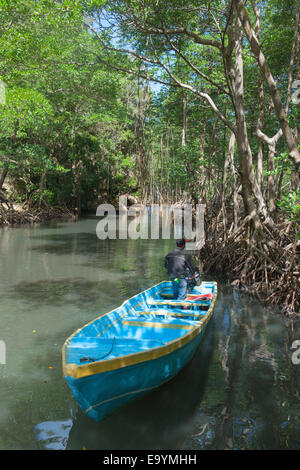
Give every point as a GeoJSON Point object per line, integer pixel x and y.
{"type": "Point", "coordinates": [260, 123]}
{"type": "Point", "coordinates": [260, 119]}
{"type": "Point", "coordinates": [212, 153]}
{"type": "Point", "coordinates": [3, 175]}
{"type": "Point", "coordinates": [271, 181]}
{"type": "Point", "coordinates": [254, 202]}
{"type": "Point", "coordinates": [41, 188]}
{"type": "Point", "coordinates": [261, 60]}
{"type": "Point", "coordinates": [244, 153]}
{"type": "Point", "coordinates": [295, 180]}
{"type": "Point", "coordinates": [236, 209]}
{"type": "Point", "coordinates": [13, 144]}
{"type": "Point", "coordinates": [184, 120]}
{"type": "Point", "coordinates": [143, 99]}
{"type": "Point", "coordinates": [76, 168]}
{"type": "Point", "coordinates": [227, 161]}
{"type": "Point", "coordinates": [272, 142]}
{"type": "Point", "coordinates": [161, 165]}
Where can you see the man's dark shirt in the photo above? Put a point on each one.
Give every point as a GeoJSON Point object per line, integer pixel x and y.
{"type": "Point", "coordinates": [179, 264]}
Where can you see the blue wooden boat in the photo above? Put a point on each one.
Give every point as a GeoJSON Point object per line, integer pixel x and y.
{"type": "Point", "coordinates": [136, 347]}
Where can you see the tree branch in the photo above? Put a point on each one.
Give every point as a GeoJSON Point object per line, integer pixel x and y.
{"type": "Point", "coordinates": [193, 67]}
{"type": "Point", "coordinates": [268, 140]}
{"type": "Point", "coordinates": [200, 94]}
{"type": "Point", "coordinates": [135, 72]}
{"type": "Point", "coordinates": [175, 31]}
{"type": "Point", "coordinates": [122, 51]}
{"type": "Point", "coordinates": [177, 83]}
{"type": "Point", "coordinates": [294, 153]}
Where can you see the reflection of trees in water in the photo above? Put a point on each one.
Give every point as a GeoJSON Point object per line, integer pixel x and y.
{"type": "Point", "coordinates": [77, 291]}
{"type": "Point", "coordinates": [256, 380]}
{"type": "Point", "coordinates": [251, 399]}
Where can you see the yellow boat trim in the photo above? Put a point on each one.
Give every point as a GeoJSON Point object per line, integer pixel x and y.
{"type": "Point", "coordinates": [157, 325]}
{"type": "Point", "coordinates": [120, 318]}
{"type": "Point", "coordinates": [78, 371]}
{"type": "Point", "coordinates": [66, 343]}
{"type": "Point", "coordinates": [126, 313]}
{"type": "Point", "coordinates": [175, 314]}
{"type": "Point", "coordinates": [176, 303]}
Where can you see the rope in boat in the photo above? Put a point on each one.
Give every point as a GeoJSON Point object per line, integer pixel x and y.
{"type": "Point", "coordinates": [90, 359]}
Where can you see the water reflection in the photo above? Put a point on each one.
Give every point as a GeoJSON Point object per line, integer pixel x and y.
{"type": "Point", "coordinates": [241, 391]}
{"type": "Point", "coordinates": [246, 402]}
{"type": "Point", "coordinates": [77, 291]}
{"type": "Point", "coordinates": [53, 435]}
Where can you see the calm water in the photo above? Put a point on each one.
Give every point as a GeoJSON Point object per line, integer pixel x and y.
{"type": "Point", "coordinates": [241, 390]}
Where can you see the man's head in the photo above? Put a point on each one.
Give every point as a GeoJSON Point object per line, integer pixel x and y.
{"type": "Point", "coordinates": [181, 243]}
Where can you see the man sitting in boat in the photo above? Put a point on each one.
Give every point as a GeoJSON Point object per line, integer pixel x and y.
{"type": "Point", "coordinates": [180, 268]}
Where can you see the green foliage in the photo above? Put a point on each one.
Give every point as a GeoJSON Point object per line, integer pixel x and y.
{"type": "Point", "coordinates": [91, 131]}
{"type": "Point", "coordinates": [290, 206]}
{"type": "Point", "coordinates": [66, 116]}
{"type": "Point", "coordinates": [27, 107]}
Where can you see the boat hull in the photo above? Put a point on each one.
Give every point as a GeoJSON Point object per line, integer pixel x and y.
{"type": "Point", "coordinates": [102, 387]}
{"type": "Point", "coordinates": [94, 393]}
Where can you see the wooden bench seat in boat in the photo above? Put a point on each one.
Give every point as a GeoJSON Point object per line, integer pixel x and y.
{"type": "Point", "coordinates": [156, 324]}
{"type": "Point", "coordinates": [196, 314]}
{"type": "Point", "coordinates": [177, 303]}
{"type": "Point", "coordinates": [124, 354]}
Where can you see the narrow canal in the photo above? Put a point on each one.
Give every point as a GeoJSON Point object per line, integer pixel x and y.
{"type": "Point", "coordinates": [240, 391]}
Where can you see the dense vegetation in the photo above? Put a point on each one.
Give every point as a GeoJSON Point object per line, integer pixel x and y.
{"type": "Point", "coordinates": [169, 101]}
